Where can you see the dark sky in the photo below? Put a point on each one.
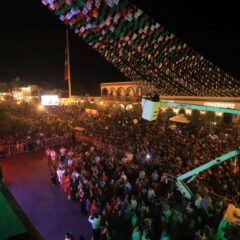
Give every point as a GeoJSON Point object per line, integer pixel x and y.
{"type": "Point", "coordinates": [32, 42]}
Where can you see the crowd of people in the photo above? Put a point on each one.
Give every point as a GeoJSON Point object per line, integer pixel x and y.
{"type": "Point", "coordinates": [26, 128]}
{"type": "Point", "coordinates": [126, 187]}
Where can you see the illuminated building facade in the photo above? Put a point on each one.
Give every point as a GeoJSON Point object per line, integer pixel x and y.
{"type": "Point", "coordinates": [26, 93]}
{"type": "Point", "coordinates": [125, 91]}
{"type": "Point", "coordinates": [131, 92]}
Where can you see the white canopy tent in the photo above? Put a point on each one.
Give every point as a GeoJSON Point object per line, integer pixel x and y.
{"type": "Point", "coordinates": [181, 118]}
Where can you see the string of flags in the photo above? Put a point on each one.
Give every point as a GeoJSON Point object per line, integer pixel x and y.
{"type": "Point", "coordinates": [143, 49]}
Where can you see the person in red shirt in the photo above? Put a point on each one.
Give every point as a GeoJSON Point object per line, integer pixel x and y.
{"type": "Point", "coordinates": [65, 184]}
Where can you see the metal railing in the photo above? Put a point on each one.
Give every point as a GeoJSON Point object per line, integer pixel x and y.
{"type": "Point", "coordinates": [31, 146]}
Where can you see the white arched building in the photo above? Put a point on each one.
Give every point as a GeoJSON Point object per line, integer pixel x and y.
{"type": "Point", "coordinates": [124, 91]}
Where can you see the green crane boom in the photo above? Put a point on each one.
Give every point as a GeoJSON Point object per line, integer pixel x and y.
{"type": "Point", "coordinates": [150, 112]}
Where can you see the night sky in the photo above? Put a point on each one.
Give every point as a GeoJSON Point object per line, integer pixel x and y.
{"type": "Point", "coordinates": [32, 42]}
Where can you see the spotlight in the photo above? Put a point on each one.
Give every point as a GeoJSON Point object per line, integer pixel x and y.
{"type": "Point", "coordinates": [148, 156]}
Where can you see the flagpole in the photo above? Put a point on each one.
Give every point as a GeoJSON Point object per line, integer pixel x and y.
{"type": "Point", "coordinates": [68, 66]}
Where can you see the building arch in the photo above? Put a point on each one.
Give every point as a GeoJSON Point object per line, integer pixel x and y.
{"type": "Point", "coordinates": [139, 93]}
{"type": "Point", "coordinates": [121, 93]}
{"type": "Point", "coordinates": [104, 92]}
{"type": "Point", "coordinates": [130, 92]}
{"type": "Point", "coordinates": [112, 93]}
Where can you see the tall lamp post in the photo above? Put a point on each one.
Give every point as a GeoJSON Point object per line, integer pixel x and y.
{"type": "Point", "coordinates": [68, 67]}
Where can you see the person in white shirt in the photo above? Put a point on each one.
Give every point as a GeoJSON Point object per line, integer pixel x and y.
{"type": "Point", "coordinates": [95, 221]}
{"type": "Point", "coordinates": [75, 174]}
{"type": "Point", "coordinates": [70, 163]}
{"type": "Point", "coordinates": [60, 172]}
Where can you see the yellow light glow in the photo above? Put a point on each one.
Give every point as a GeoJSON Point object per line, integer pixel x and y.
{"type": "Point", "coordinates": [40, 107]}
{"type": "Point", "coordinates": [129, 107]}
{"type": "Point", "coordinates": [121, 106]}
{"type": "Point", "coordinates": [25, 88]}
{"type": "Point", "coordinates": [101, 102]}
{"type": "Point", "coordinates": [219, 114]}
{"type": "Point", "coordinates": [203, 112]}
{"type": "Point", "coordinates": [175, 110]}
{"type": "Point", "coordinates": [188, 111]}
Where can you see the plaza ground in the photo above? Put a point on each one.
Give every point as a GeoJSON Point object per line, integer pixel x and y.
{"type": "Point", "coordinates": [27, 178]}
